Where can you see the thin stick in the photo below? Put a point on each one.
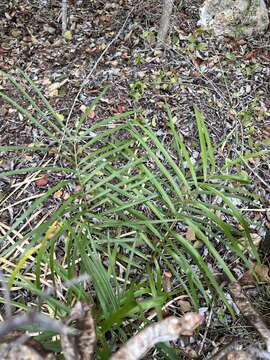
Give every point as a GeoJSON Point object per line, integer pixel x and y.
{"type": "Point", "coordinates": [254, 173]}
{"type": "Point", "coordinates": [91, 73]}
{"type": "Point", "coordinates": [208, 322]}
{"type": "Point", "coordinates": [97, 62]}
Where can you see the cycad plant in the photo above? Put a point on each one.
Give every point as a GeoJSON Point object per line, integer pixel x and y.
{"type": "Point", "coordinates": [131, 201]}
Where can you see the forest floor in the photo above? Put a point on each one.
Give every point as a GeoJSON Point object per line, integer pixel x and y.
{"type": "Point", "coordinates": [112, 44]}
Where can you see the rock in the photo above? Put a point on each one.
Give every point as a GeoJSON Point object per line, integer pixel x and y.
{"type": "Point", "coordinates": [234, 18]}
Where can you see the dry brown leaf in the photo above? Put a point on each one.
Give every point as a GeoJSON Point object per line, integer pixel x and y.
{"type": "Point", "coordinates": [104, 18]}
{"type": "Point", "coordinates": [57, 194]}
{"type": "Point", "coordinates": [91, 115]}
{"type": "Point", "coordinates": [125, 55]}
{"type": "Point", "coordinates": [249, 55]}
{"type": "Point", "coordinates": [2, 51]}
{"type": "Point", "coordinates": [263, 272]}
{"type": "Point", "coordinates": [167, 276]}
{"type": "Point", "coordinates": [121, 108]}
{"type": "Point", "coordinates": [184, 305]}
{"type": "Point", "coordinates": [247, 279]}
{"type": "Point", "coordinates": [190, 234]}
{"type": "Point", "coordinates": [42, 180]}
{"type": "Point", "coordinates": [66, 195]}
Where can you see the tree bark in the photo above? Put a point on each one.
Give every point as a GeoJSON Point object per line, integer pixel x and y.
{"type": "Point", "coordinates": [165, 21]}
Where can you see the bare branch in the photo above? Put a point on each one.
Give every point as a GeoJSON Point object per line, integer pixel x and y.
{"type": "Point", "coordinates": [249, 312]}
{"type": "Point", "coordinates": [81, 346]}
{"type": "Point", "coordinates": [41, 320]}
{"type": "Point", "coordinates": [231, 347]}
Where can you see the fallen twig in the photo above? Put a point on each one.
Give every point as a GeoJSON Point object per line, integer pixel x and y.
{"type": "Point", "coordinates": [255, 173]}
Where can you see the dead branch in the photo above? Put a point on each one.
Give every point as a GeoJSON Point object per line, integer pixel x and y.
{"type": "Point", "coordinates": [42, 320]}
{"type": "Point", "coordinates": [231, 347]}
{"type": "Point", "coordinates": [168, 329]}
{"type": "Point", "coordinates": [249, 312]}
{"type": "Point", "coordinates": [82, 345]}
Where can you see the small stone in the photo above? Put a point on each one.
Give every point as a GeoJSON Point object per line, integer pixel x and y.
{"type": "Point", "coordinates": [42, 181]}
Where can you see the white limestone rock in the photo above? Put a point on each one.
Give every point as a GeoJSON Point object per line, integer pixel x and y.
{"type": "Point", "coordinates": [234, 18]}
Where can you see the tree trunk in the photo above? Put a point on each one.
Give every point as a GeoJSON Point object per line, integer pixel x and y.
{"type": "Point", "coordinates": [165, 21]}
{"type": "Point", "coordinates": [64, 16]}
